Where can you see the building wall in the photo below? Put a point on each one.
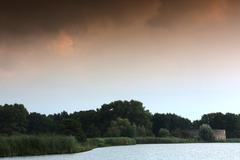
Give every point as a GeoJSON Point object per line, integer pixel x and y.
{"type": "Point", "coordinates": [220, 134]}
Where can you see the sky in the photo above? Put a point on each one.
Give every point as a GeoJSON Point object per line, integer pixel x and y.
{"type": "Point", "coordinates": [175, 56]}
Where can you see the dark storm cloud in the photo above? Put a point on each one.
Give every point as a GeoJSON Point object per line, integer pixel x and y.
{"type": "Point", "coordinates": [171, 11]}
{"type": "Point", "coordinates": [27, 16]}
{"type": "Point", "coordinates": [28, 28]}
{"type": "Point", "coordinates": [174, 12]}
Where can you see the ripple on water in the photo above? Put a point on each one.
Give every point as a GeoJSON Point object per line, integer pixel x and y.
{"type": "Point", "coordinates": [204, 151]}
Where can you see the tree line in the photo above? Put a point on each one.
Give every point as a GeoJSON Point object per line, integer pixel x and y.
{"type": "Point", "coordinates": [116, 119]}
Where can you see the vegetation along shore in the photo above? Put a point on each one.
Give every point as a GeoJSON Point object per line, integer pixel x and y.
{"type": "Point", "coordinates": [118, 123]}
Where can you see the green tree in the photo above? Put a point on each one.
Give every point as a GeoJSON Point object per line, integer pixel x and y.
{"type": "Point", "coordinates": [164, 133]}
{"type": "Point", "coordinates": [170, 122]}
{"type": "Point", "coordinates": [206, 133]}
{"type": "Point", "coordinates": [121, 128]}
{"type": "Point", "coordinates": [13, 119]}
{"type": "Point", "coordinates": [89, 121]}
{"type": "Point", "coordinates": [72, 127]}
{"type": "Point", "coordinates": [40, 123]}
{"type": "Point", "coordinates": [230, 122]}
{"type": "Point", "coordinates": [132, 110]}
{"type": "Point", "coordinates": [141, 131]}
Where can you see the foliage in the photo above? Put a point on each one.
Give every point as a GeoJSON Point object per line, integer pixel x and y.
{"type": "Point", "coordinates": [119, 118]}
{"type": "Point", "coordinates": [13, 119]}
{"type": "Point", "coordinates": [104, 142]}
{"type": "Point", "coordinates": [119, 141]}
{"type": "Point", "coordinates": [164, 133]}
{"type": "Point", "coordinates": [131, 110]}
{"type": "Point", "coordinates": [39, 123]}
{"type": "Point", "coordinates": [136, 121]}
{"type": "Point", "coordinates": [89, 122]}
{"type": "Point", "coordinates": [170, 122]}
{"type": "Point", "coordinates": [36, 145]}
{"type": "Point", "coordinates": [182, 134]}
{"type": "Point", "coordinates": [154, 140]}
{"type": "Point", "coordinates": [121, 128]}
{"type": "Point", "coordinates": [230, 122]}
{"type": "Point", "coordinates": [206, 133]}
{"type": "Point", "coordinates": [141, 131]}
{"type": "Point", "coordinates": [233, 140]}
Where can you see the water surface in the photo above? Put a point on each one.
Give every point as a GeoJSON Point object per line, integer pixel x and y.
{"type": "Point", "coordinates": [216, 151]}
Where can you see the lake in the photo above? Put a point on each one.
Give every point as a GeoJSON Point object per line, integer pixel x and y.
{"type": "Point", "coordinates": [204, 151]}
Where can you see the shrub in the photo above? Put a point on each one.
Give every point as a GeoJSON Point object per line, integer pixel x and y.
{"type": "Point", "coordinates": [141, 131]}
{"type": "Point", "coordinates": [121, 128]}
{"type": "Point", "coordinates": [111, 141]}
{"type": "Point", "coordinates": [164, 132]}
{"type": "Point", "coordinates": [182, 134]}
{"type": "Point", "coordinates": [36, 145]}
{"type": "Point", "coordinates": [206, 133]}
{"type": "Point", "coordinates": [119, 141]}
{"type": "Point", "coordinates": [154, 140]}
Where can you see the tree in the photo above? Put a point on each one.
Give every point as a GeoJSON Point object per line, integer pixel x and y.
{"type": "Point", "coordinates": [232, 125]}
{"type": "Point", "coordinates": [164, 133]}
{"type": "Point", "coordinates": [132, 110]}
{"type": "Point", "coordinates": [40, 123]}
{"type": "Point", "coordinates": [170, 122]}
{"type": "Point", "coordinates": [72, 127]}
{"type": "Point", "coordinates": [89, 121]}
{"type": "Point", "coordinates": [141, 131]}
{"type": "Point", "coordinates": [182, 133]}
{"type": "Point", "coordinates": [230, 122]}
{"type": "Point", "coordinates": [67, 125]}
{"type": "Point", "coordinates": [215, 120]}
{"type": "Point", "coordinates": [13, 119]}
{"type": "Point", "coordinates": [121, 128]}
{"type": "Point", "coordinates": [206, 133]}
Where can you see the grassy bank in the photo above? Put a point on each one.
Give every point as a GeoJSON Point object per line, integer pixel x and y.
{"type": "Point", "coordinates": [233, 140]}
{"type": "Point", "coordinates": [26, 145]}
{"type": "Point", "coordinates": [118, 141]}
{"type": "Point", "coordinates": [92, 143]}
{"type": "Point", "coordinates": [37, 145]}
{"type": "Point", "coordinates": [41, 145]}
{"type": "Point", "coordinates": [156, 140]}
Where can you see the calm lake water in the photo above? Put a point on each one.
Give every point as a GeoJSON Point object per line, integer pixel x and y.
{"type": "Point", "coordinates": [152, 152]}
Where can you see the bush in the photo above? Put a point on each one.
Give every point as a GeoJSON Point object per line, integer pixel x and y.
{"type": "Point", "coordinates": [206, 133]}
{"type": "Point", "coordinates": [164, 133]}
{"type": "Point", "coordinates": [154, 140]}
{"type": "Point", "coordinates": [141, 131]}
{"type": "Point", "coordinates": [37, 145]}
{"type": "Point", "coordinates": [121, 128]}
{"type": "Point", "coordinates": [114, 141]}
{"type": "Point", "coordinates": [182, 134]}
{"type": "Point", "coordinates": [233, 140]}
{"type": "Point", "coordinates": [119, 141]}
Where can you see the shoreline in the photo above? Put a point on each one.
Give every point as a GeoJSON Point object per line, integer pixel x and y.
{"type": "Point", "coordinates": [69, 145]}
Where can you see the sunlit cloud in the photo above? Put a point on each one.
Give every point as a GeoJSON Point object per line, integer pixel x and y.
{"type": "Point", "coordinates": [62, 44]}
{"type": "Point", "coordinates": [215, 12]}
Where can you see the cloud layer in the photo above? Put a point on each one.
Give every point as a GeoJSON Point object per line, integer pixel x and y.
{"type": "Point", "coordinates": [31, 30]}
{"type": "Point", "coordinates": [52, 15]}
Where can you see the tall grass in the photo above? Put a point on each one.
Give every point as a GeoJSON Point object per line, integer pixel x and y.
{"type": "Point", "coordinates": [155, 140]}
{"type": "Point", "coordinates": [25, 145]}
{"type": "Point", "coordinates": [110, 141]}
{"type": "Point", "coordinates": [232, 140]}
{"type": "Point", "coordinates": [37, 145]}
{"type": "Point", "coordinates": [119, 141]}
